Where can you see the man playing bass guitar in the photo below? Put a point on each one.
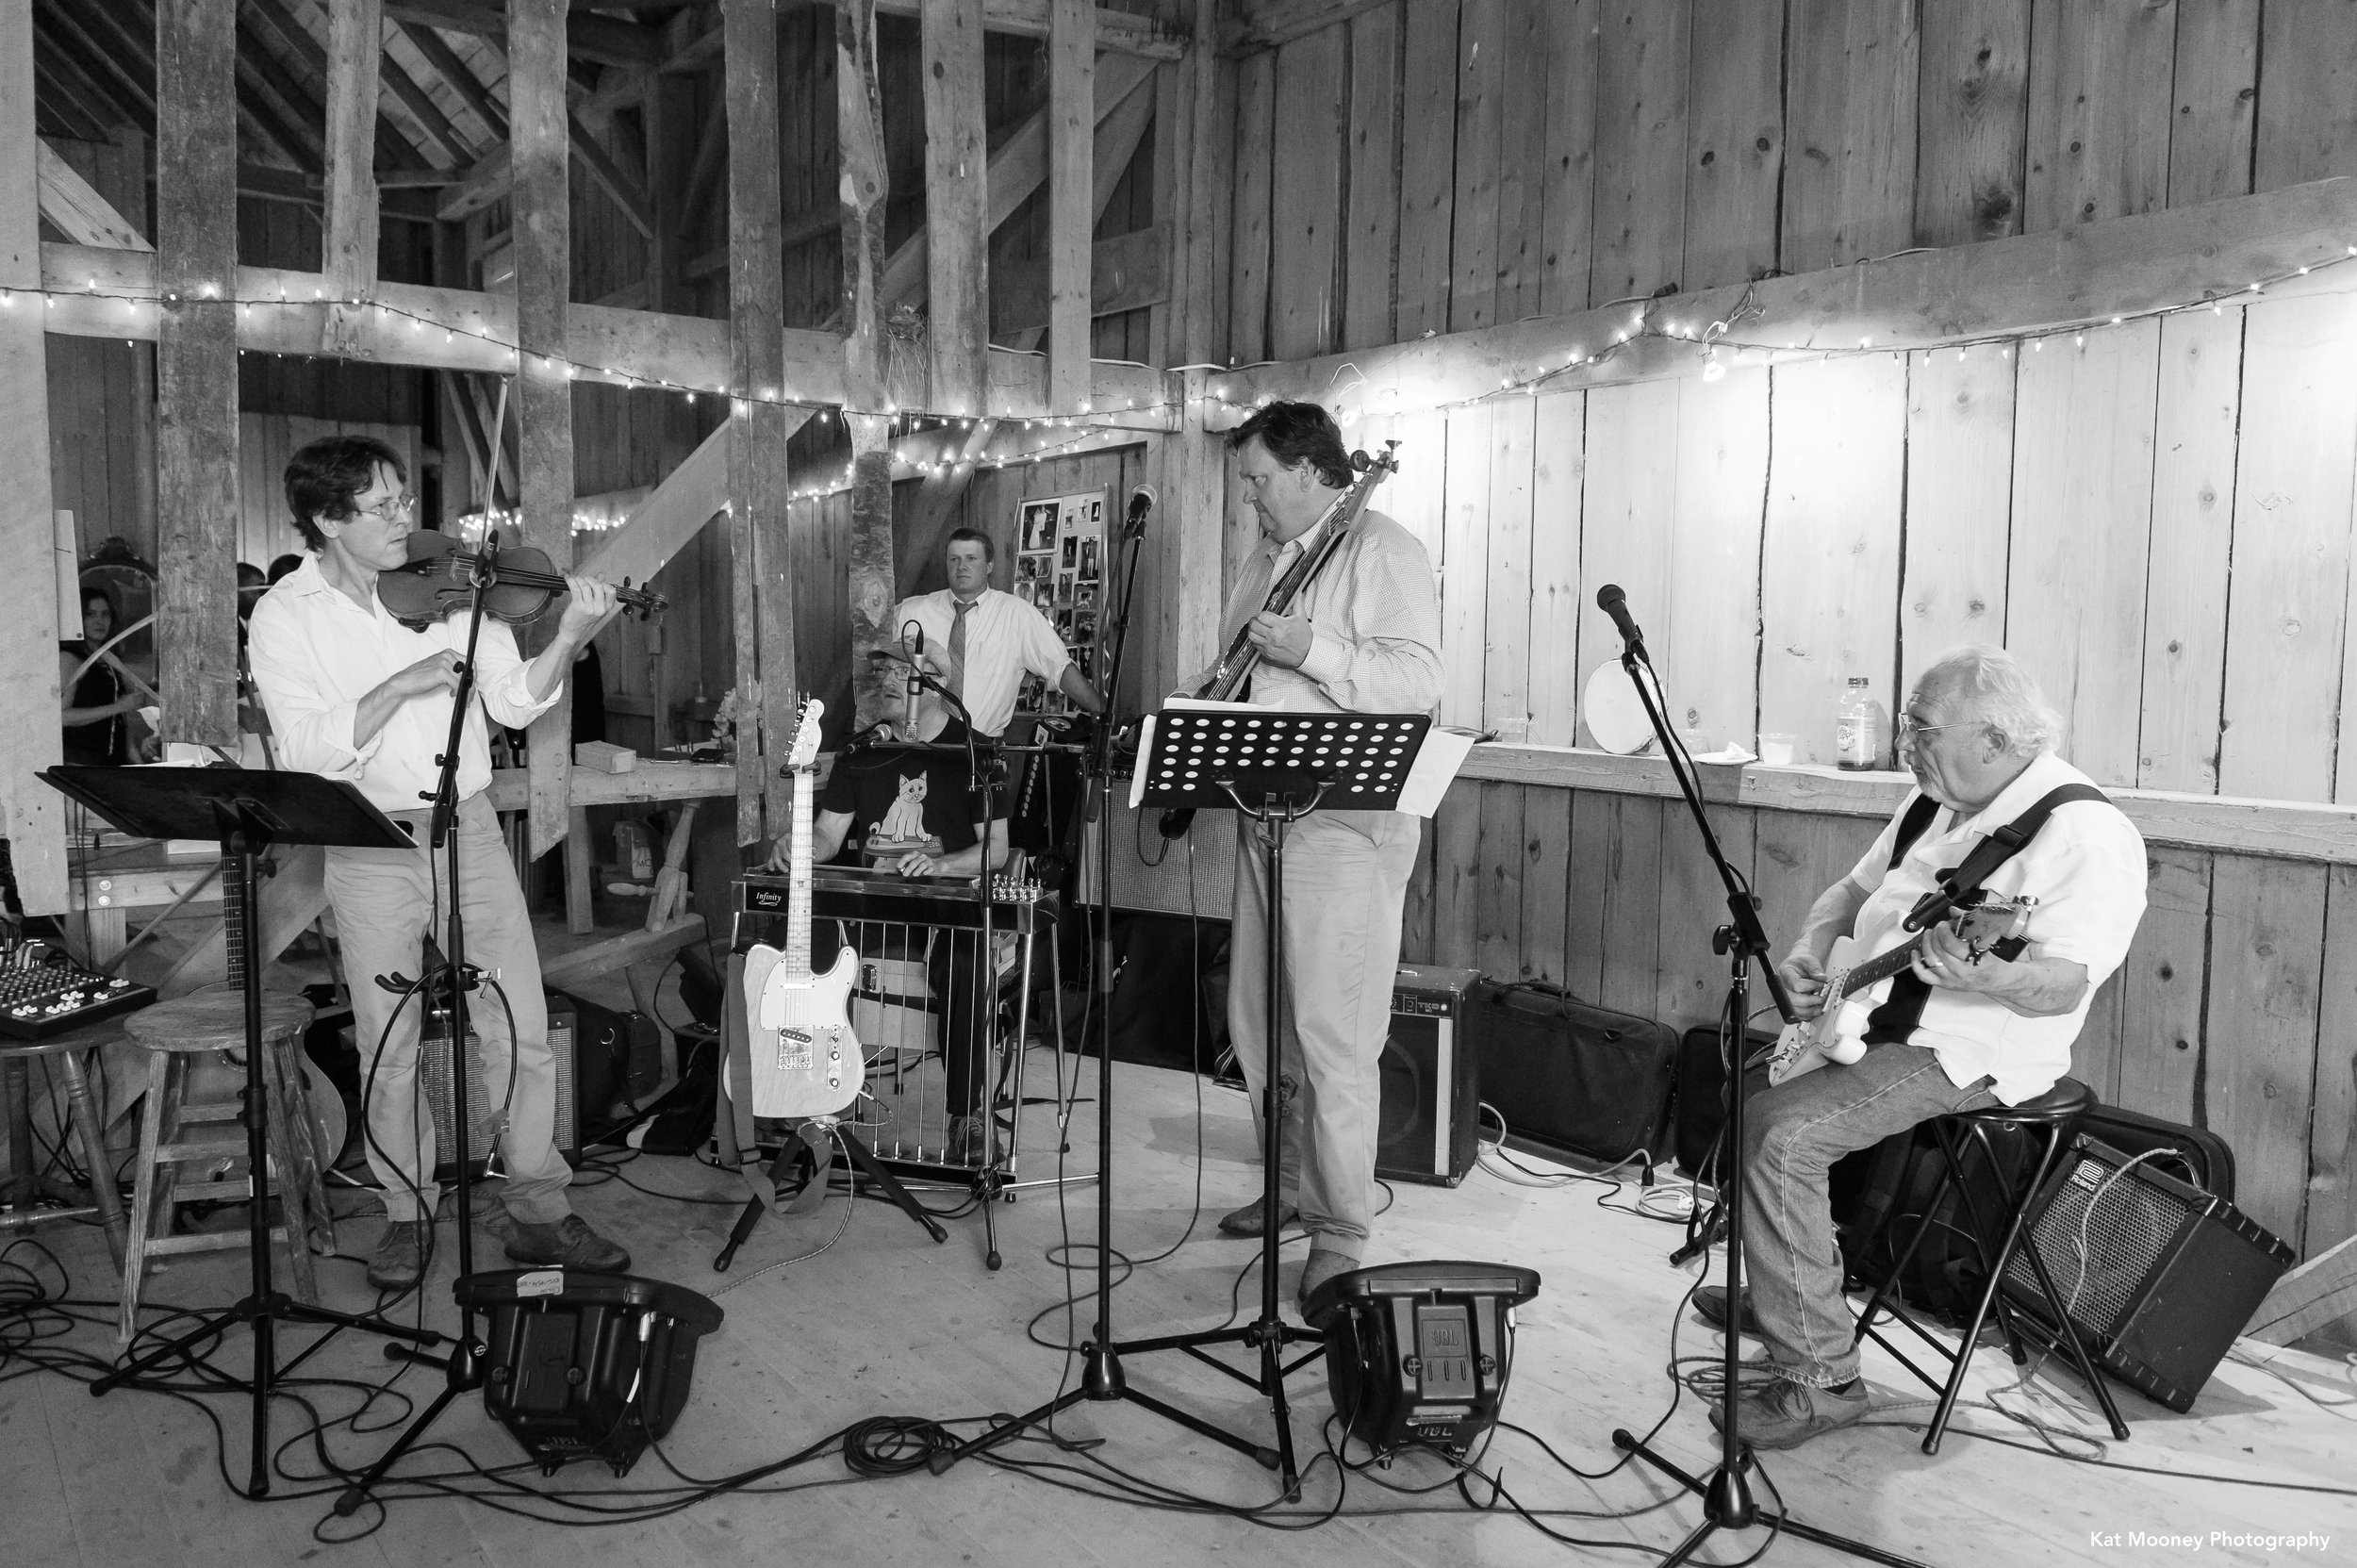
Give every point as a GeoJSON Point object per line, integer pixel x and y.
{"type": "Point", "coordinates": [1957, 1030]}
{"type": "Point", "coordinates": [1361, 637]}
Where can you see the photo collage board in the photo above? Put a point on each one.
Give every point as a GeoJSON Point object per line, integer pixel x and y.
{"type": "Point", "coordinates": [1059, 570]}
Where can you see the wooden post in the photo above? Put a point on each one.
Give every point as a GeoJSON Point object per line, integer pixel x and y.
{"type": "Point", "coordinates": [957, 203]}
{"type": "Point", "coordinates": [131, 148]}
{"type": "Point", "coordinates": [543, 386]}
{"type": "Point", "coordinates": [1071, 146]}
{"type": "Point", "coordinates": [865, 184]}
{"type": "Point", "coordinates": [35, 819]}
{"type": "Point", "coordinates": [196, 372]}
{"type": "Point", "coordinates": [758, 481]}
{"type": "Point", "coordinates": [356, 46]}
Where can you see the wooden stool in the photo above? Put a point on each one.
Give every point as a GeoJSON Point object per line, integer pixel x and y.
{"type": "Point", "coordinates": [2053, 1118]}
{"type": "Point", "coordinates": [22, 1184]}
{"type": "Point", "coordinates": [172, 1033]}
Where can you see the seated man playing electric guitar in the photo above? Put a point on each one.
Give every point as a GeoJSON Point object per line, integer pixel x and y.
{"type": "Point", "coordinates": [909, 811]}
{"type": "Point", "coordinates": [1959, 1029]}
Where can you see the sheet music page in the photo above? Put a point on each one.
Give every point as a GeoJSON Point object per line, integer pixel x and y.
{"type": "Point", "coordinates": [1437, 761]}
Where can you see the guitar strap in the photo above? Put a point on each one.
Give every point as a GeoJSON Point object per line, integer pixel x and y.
{"type": "Point", "coordinates": [1896, 1018]}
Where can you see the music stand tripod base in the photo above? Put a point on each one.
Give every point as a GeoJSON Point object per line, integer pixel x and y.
{"type": "Point", "coordinates": [247, 812]}
{"type": "Point", "coordinates": [1274, 767]}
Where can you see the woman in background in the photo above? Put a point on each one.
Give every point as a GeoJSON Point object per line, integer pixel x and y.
{"type": "Point", "coordinates": [95, 704]}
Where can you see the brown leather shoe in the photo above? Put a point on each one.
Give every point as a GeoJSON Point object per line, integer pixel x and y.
{"type": "Point", "coordinates": [1322, 1266]}
{"type": "Point", "coordinates": [1786, 1414]}
{"type": "Point", "coordinates": [399, 1263]}
{"type": "Point", "coordinates": [567, 1244]}
{"type": "Point", "coordinates": [1710, 1305]}
{"type": "Point", "coordinates": [1246, 1220]}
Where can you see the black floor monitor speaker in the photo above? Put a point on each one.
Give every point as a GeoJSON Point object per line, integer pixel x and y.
{"type": "Point", "coordinates": [1430, 1126]}
{"type": "Point", "coordinates": [2157, 1276]}
{"type": "Point", "coordinates": [1418, 1353]}
{"type": "Point", "coordinates": [586, 1366]}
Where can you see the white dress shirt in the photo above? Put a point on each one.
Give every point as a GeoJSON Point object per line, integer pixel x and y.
{"type": "Point", "coordinates": [1375, 623]}
{"type": "Point", "coordinates": [315, 653]}
{"type": "Point", "coordinates": [2086, 868]}
{"type": "Point", "coordinates": [1004, 637]}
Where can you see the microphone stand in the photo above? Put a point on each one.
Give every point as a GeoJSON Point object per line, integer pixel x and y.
{"type": "Point", "coordinates": [463, 1370]}
{"type": "Point", "coordinates": [1726, 1492]}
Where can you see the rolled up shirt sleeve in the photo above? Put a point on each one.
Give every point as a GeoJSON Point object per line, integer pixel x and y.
{"type": "Point", "coordinates": [503, 678]}
{"type": "Point", "coordinates": [1384, 656]}
{"type": "Point", "coordinates": [311, 729]}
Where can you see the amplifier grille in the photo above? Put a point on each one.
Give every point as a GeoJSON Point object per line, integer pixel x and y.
{"type": "Point", "coordinates": [2126, 1238]}
{"type": "Point", "coordinates": [434, 1075]}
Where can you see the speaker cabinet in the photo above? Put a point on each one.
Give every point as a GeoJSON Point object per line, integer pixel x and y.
{"type": "Point", "coordinates": [1430, 1129]}
{"type": "Point", "coordinates": [483, 1094]}
{"type": "Point", "coordinates": [2157, 1276]}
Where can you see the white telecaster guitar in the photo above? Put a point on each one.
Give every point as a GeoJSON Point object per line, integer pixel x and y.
{"type": "Point", "coordinates": [806, 1062]}
{"type": "Point", "coordinates": [1836, 1033]}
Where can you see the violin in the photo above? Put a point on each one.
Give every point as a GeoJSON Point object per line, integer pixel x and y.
{"type": "Point", "coordinates": [517, 583]}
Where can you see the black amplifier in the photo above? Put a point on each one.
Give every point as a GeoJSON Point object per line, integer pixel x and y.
{"type": "Point", "coordinates": [2157, 1276]}
{"type": "Point", "coordinates": [1430, 1121]}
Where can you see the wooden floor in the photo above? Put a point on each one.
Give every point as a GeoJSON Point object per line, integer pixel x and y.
{"type": "Point", "coordinates": [884, 1322]}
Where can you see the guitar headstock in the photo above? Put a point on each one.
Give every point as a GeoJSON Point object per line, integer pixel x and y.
{"type": "Point", "coordinates": [1989, 924]}
{"type": "Point", "coordinates": [804, 755]}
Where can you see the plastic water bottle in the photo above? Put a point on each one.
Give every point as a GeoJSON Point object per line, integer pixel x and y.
{"type": "Point", "coordinates": [1861, 729]}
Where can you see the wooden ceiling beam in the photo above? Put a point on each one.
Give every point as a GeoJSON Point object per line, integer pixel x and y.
{"type": "Point", "coordinates": [622, 348]}
{"type": "Point", "coordinates": [390, 138]}
{"type": "Point", "coordinates": [1119, 32]}
{"type": "Point", "coordinates": [76, 210]}
{"type": "Point", "coordinates": [1260, 24]}
{"type": "Point", "coordinates": [445, 61]}
{"type": "Point", "coordinates": [296, 121]}
{"type": "Point", "coordinates": [68, 34]}
{"type": "Point", "coordinates": [66, 91]}
{"type": "Point", "coordinates": [587, 36]}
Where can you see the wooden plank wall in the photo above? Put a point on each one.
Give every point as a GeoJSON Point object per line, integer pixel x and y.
{"type": "Point", "coordinates": [2082, 500]}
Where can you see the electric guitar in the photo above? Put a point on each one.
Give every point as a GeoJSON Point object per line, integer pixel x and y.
{"type": "Point", "coordinates": [1993, 925]}
{"type": "Point", "coordinates": [806, 1061]}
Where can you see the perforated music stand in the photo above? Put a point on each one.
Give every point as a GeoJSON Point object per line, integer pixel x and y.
{"type": "Point", "coordinates": [248, 811]}
{"type": "Point", "coordinates": [1274, 767]}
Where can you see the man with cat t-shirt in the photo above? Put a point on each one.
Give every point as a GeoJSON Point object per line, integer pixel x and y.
{"type": "Point", "coordinates": [906, 809]}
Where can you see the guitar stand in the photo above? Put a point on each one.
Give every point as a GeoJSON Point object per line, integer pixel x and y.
{"type": "Point", "coordinates": [864, 1163]}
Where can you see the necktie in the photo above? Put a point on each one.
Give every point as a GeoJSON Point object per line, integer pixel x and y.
{"type": "Point", "coordinates": [957, 650]}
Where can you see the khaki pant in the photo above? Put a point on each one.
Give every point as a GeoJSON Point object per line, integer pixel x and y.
{"type": "Point", "coordinates": [1346, 881]}
{"type": "Point", "coordinates": [383, 902]}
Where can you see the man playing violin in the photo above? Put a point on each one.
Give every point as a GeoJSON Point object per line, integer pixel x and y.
{"type": "Point", "coordinates": [353, 693]}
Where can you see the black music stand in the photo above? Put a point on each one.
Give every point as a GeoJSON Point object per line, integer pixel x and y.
{"type": "Point", "coordinates": [1274, 767]}
{"type": "Point", "coordinates": [248, 812]}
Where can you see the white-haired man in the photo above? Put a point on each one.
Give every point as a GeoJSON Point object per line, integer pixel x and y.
{"type": "Point", "coordinates": [1960, 1035]}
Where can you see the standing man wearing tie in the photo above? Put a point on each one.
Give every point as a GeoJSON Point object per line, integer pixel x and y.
{"type": "Point", "coordinates": [1363, 637]}
{"type": "Point", "coordinates": [980, 642]}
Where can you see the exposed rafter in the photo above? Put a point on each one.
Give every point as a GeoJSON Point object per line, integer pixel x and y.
{"type": "Point", "coordinates": [390, 136]}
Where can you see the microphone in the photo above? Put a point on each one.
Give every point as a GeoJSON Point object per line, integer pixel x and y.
{"type": "Point", "coordinates": [1140, 502]}
{"type": "Point", "coordinates": [915, 691]}
{"type": "Point", "coordinates": [1612, 601]}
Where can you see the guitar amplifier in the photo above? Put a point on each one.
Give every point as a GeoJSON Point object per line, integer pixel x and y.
{"type": "Point", "coordinates": [1430, 1127]}
{"type": "Point", "coordinates": [2157, 1276]}
{"type": "Point", "coordinates": [433, 1079]}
